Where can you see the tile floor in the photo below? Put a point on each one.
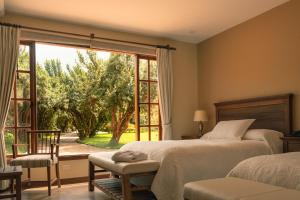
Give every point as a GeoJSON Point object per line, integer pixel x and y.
{"type": "Point", "coordinates": [66, 192]}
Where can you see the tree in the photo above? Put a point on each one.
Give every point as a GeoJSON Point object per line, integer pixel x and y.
{"type": "Point", "coordinates": [85, 93]}
{"type": "Point", "coordinates": [51, 96]}
{"type": "Point", "coordinates": [118, 81]}
{"type": "Point", "coordinates": [91, 95]}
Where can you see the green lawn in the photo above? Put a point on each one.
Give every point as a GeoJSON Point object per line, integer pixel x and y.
{"type": "Point", "coordinates": [102, 140]}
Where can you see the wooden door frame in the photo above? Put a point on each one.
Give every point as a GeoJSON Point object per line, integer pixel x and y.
{"type": "Point", "coordinates": [32, 99]}
{"type": "Point", "coordinates": [137, 99]}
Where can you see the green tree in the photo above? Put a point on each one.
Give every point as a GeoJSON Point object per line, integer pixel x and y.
{"type": "Point", "coordinates": [84, 95]}
{"type": "Point", "coordinates": [90, 96]}
{"type": "Point", "coordinates": [118, 81]}
{"type": "Point", "coordinates": [51, 96]}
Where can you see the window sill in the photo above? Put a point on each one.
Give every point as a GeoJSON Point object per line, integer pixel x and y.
{"type": "Point", "coordinates": [63, 157]}
{"type": "Point", "coordinates": [74, 157]}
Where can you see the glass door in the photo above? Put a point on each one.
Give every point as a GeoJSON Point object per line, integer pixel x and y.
{"type": "Point", "coordinates": [21, 115]}
{"type": "Point", "coordinates": [148, 126]}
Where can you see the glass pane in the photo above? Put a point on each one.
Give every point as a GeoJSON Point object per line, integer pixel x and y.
{"type": "Point", "coordinates": [144, 119]}
{"type": "Point", "coordinates": [10, 121]}
{"type": "Point", "coordinates": [143, 92]}
{"type": "Point", "coordinates": [143, 69]}
{"type": "Point", "coordinates": [153, 70]}
{"type": "Point", "coordinates": [130, 133]}
{"type": "Point", "coordinates": [153, 93]}
{"type": "Point", "coordinates": [154, 133]}
{"type": "Point", "coordinates": [24, 113]}
{"type": "Point", "coordinates": [144, 134]}
{"type": "Point", "coordinates": [132, 122]}
{"type": "Point", "coordinates": [22, 139]}
{"type": "Point", "coordinates": [23, 85]}
{"type": "Point", "coordinates": [23, 61]}
{"type": "Point", "coordinates": [9, 138]}
{"type": "Point", "coordinates": [154, 115]}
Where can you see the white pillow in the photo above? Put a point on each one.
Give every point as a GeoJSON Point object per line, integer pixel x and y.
{"type": "Point", "coordinates": [233, 129]}
{"type": "Point", "coordinates": [271, 137]}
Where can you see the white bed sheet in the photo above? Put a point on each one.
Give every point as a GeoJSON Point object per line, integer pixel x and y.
{"type": "Point", "coordinates": [280, 170]}
{"type": "Point", "coordinates": [184, 161]}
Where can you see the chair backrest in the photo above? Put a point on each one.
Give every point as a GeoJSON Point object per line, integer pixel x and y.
{"type": "Point", "coordinates": [43, 141]}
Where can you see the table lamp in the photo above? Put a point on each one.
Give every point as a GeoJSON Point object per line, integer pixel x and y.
{"type": "Point", "coordinates": [200, 116]}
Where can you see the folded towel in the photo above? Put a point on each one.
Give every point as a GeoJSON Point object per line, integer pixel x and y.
{"type": "Point", "coordinates": [129, 156]}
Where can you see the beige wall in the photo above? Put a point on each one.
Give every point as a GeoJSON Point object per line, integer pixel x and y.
{"type": "Point", "coordinates": [68, 169]}
{"type": "Point", "coordinates": [185, 79]}
{"type": "Point", "coordinates": [257, 58]}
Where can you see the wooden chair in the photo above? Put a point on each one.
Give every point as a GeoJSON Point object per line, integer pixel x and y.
{"type": "Point", "coordinates": [42, 151]}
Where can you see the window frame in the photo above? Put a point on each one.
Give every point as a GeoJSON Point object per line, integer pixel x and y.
{"type": "Point", "coordinates": [32, 97]}
{"type": "Point", "coordinates": [33, 100]}
{"type": "Point", "coordinates": [148, 102]}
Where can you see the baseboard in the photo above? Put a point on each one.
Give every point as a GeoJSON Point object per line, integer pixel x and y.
{"type": "Point", "coordinates": [66, 181]}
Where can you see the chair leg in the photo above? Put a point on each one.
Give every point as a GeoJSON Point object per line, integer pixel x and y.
{"type": "Point", "coordinates": [57, 174]}
{"type": "Point", "coordinates": [11, 186]}
{"type": "Point", "coordinates": [91, 176]}
{"type": "Point", "coordinates": [49, 180]}
{"type": "Point", "coordinates": [29, 177]}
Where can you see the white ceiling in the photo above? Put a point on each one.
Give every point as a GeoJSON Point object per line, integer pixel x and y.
{"type": "Point", "coordinates": [183, 20]}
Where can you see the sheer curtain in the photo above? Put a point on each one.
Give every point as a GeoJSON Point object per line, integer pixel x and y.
{"type": "Point", "coordinates": [9, 50]}
{"type": "Point", "coordinates": [165, 90]}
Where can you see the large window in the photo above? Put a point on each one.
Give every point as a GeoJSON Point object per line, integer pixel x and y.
{"type": "Point", "coordinates": [100, 100]}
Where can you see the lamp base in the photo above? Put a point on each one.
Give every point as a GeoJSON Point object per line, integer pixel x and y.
{"type": "Point", "coordinates": [201, 127]}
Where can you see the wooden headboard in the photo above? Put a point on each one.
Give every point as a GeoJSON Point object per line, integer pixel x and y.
{"type": "Point", "coordinates": [273, 112]}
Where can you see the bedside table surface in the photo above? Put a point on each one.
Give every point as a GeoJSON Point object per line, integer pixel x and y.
{"type": "Point", "coordinates": [290, 138]}
{"type": "Point", "coordinates": [11, 171]}
{"type": "Point", "coordinates": [291, 144]}
{"type": "Point", "coordinates": [188, 137]}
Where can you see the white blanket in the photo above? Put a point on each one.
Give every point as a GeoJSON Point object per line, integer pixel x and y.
{"type": "Point", "coordinates": [280, 170]}
{"type": "Point", "coordinates": [184, 161]}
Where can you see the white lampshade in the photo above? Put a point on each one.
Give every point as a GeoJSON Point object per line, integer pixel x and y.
{"type": "Point", "coordinates": [200, 116]}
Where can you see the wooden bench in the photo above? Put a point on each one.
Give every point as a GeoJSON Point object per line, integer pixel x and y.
{"type": "Point", "coordinates": [119, 186]}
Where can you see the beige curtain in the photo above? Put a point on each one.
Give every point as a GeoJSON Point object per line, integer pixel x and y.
{"type": "Point", "coordinates": [165, 88]}
{"type": "Point", "coordinates": [9, 49]}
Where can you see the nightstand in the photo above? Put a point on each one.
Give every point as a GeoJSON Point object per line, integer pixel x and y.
{"type": "Point", "coordinates": [188, 137]}
{"type": "Point", "coordinates": [291, 144]}
{"type": "Point", "coordinates": [12, 173]}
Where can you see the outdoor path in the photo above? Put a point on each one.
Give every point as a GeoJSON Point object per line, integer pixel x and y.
{"type": "Point", "coordinates": [69, 146]}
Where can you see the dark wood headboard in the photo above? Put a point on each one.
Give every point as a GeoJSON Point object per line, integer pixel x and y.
{"type": "Point", "coordinates": [273, 112]}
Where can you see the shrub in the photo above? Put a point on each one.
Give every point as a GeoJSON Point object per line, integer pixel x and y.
{"type": "Point", "coordinates": [9, 140]}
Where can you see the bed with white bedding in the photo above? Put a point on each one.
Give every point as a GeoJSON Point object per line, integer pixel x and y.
{"type": "Point", "coordinates": [280, 170]}
{"type": "Point", "coordinates": [273, 177]}
{"type": "Point", "coordinates": [189, 160]}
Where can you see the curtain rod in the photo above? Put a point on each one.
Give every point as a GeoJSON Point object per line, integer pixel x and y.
{"type": "Point", "coordinates": [92, 36]}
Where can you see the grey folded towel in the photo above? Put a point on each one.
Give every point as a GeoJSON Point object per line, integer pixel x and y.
{"type": "Point", "coordinates": [129, 156]}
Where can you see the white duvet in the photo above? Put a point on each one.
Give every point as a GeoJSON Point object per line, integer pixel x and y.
{"type": "Point", "coordinates": [280, 170]}
{"type": "Point", "coordinates": [184, 161]}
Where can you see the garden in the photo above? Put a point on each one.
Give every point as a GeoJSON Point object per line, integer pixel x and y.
{"type": "Point", "coordinates": [93, 99]}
